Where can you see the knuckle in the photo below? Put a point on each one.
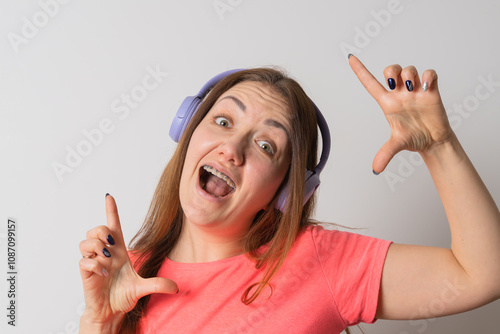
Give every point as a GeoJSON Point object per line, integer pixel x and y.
{"type": "Point", "coordinates": [392, 70]}
{"type": "Point", "coordinates": [411, 70]}
{"type": "Point", "coordinates": [94, 265]}
{"type": "Point", "coordinates": [87, 264]}
{"type": "Point", "coordinates": [102, 230]}
{"type": "Point", "coordinates": [97, 231]}
{"type": "Point", "coordinates": [431, 73]}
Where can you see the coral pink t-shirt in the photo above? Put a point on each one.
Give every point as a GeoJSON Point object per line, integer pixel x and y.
{"type": "Point", "coordinates": [329, 280]}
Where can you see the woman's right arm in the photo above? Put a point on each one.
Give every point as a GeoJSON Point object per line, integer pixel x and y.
{"type": "Point", "coordinates": [111, 285]}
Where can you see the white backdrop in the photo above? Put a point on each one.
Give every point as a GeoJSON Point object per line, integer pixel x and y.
{"type": "Point", "coordinates": [81, 114]}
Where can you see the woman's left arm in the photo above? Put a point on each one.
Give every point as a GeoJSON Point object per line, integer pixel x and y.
{"type": "Point", "coordinates": [420, 281]}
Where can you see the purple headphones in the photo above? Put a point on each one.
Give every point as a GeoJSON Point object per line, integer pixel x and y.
{"type": "Point", "coordinates": [191, 104]}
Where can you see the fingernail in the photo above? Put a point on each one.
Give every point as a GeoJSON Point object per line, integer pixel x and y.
{"type": "Point", "coordinates": [425, 86]}
{"type": "Point", "coordinates": [392, 83]}
{"type": "Point", "coordinates": [349, 55]}
{"type": "Point", "coordinates": [374, 172]}
{"type": "Point", "coordinates": [107, 194]}
{"type": "Point", "coordinates": [106, 252]}
{"type": "Point", "coordinates": [104, 272]}
{"type": "Point", "coordinates": [110, 239]}
{"type": "Point", "coordinates": [409, 85]}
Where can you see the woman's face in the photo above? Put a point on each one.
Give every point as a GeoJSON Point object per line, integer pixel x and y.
{"type": "Point", "coordinates": [236, 160]}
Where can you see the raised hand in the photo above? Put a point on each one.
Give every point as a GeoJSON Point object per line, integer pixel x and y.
{"type": "Point", "coordinates": [111, 285]}
{"type": "Point", "coordinates": [412, 107]}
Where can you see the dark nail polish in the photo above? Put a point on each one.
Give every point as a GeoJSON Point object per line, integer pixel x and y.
{"type": "Point", "coordinates": [349, 55]}
{"type": "Point", "coordinates": [374, 172]}
{"type": "Point", "coordinates": [177, 291]}
{"type": "Point", "coordinates": [392, 83]}
{"type": "Point", "coordinates": [106, 252]}
{"type": "Point", "coordinates": [110, 239]}
{"type": "Point", "coordinates": [409, 85]}
{"type": "Point", "coordinates": [107, 194]}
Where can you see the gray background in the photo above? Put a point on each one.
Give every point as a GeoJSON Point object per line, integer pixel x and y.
{"type": "Point", "coordinates": [69, 74]}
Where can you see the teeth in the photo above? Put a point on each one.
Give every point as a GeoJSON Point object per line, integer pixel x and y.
{"type": "Point", "coordinates": [220, 175]}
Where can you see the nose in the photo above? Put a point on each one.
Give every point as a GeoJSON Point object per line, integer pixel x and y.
{"type": "Point", "coordinates": [233, 150]}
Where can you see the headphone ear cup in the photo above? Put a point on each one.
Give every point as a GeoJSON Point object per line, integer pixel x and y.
{"type": "Point", "coordinates": [183, 116]}
{"type": "Point", "coordinates": [190, 105]}
{"type": "Point", "coordinates": [312, 183]}
{"type": "Point", "coordinates": [280, 204]}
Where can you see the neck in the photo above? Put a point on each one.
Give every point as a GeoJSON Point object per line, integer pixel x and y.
{"type": "Point", "coordinates": [196, 245]}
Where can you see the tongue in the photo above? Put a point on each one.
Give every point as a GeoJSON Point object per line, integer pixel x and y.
{"type": "Point", "coordinates": [217, 187]}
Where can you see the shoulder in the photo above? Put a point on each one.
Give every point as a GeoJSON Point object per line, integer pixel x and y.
{"type": "Point", "coordinates": [340, 242]}
{"type": "Point", "coordinates": [320, 233]}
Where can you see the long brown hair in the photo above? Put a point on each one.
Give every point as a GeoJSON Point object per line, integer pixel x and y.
{"type": "Point", "coordinates": [163, 223]}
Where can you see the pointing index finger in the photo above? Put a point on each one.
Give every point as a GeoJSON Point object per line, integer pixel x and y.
{"type": "Point", "coordinates": [113, 220]}
{"type": "Point", "coordinates": [370, 83]}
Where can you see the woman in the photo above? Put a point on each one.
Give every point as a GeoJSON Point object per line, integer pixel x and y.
{"type": "Point", "coordinates": [218, 256]}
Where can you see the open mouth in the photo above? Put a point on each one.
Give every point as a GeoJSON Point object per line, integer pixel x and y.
{"type": "Point", "coordinates": [215, 183]}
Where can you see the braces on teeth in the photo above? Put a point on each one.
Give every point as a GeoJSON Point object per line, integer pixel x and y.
{"type": "Point", "coordinates": [220, 175]}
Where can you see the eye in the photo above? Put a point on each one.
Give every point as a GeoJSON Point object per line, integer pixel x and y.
{"type": "Point", "coordinates": [222, 121]}
{"type": "Point", "coordinates": [267, 147]}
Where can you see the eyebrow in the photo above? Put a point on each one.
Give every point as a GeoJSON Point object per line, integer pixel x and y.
{"type": "Point", "coordinates": [270, 122]}
{"type": "Point", "coordinates": [237, 101]}
{"type": "Point", "coordinates": [277, 125]}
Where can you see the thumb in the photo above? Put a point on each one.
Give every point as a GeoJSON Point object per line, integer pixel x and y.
{"type": "Point", "coordinates": [148, 286]}
{"type": "Point", "coordinates": [384, 155]}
